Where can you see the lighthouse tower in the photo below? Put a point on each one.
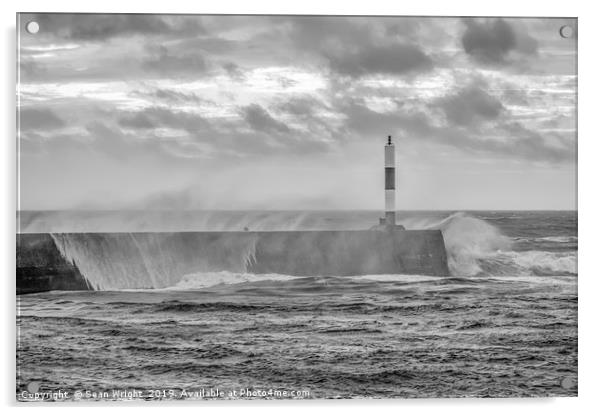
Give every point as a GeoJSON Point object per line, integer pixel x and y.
{"type": "Point", "coordinates": [389, 183]}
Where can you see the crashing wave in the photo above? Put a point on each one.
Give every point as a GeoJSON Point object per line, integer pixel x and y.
{"type": "Point", "coordinates": [476, 247]}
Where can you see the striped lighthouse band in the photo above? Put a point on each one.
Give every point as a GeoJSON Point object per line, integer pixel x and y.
{"type": "Point", "coordinates": [390, 182]}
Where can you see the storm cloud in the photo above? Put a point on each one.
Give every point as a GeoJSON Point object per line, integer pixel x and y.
{"type": "Point", "coordinates": [259, 119]}
{"type": "Point", "coordinates": [359, 46]}
{"type": "Point", "coordinates": [491, 41]}
{"type": "Point", "coordinates": [165, 63]}
{"type": "Point", "coordinates": [101, 27]}
{"type": "Point", "coordinates": [39, 119]}
{"type": "Point", "coordinates": [389, 60]}
{"type": "Point", "coordinates": [157, 117]}
{"type": "Point", "coordinates": [470, 105]}
{"type": "Point", "coordinates": [208, 94]}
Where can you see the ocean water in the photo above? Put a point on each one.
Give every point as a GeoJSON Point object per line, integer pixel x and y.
{"type": "Point", "coordinates": [503, 325]}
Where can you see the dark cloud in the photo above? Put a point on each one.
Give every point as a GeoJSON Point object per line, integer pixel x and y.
{"type": "Point", "coordinates": [530, 144]}
{"type": "Point", "coordinates": [121, 144]}
{"type": "Point", "coordinates": [100, 27]}
{"type": "Point", "coordinates": [230, 138]}
{"type": "Point", "coordinates": [30, 70]}
{"type": "Point", "coordinates": [517, 142]}
{"type": "Point", "coordinates": [137, 121]}
{"type": "Point", "coordinates": [394, 59]}
{"type": "Point", "coordinates": [65, 69]}
{"type": "Point", "coordinates": [146, 94]}
{"type": "Point", "coordinates": [156, 117]}
{"type": "Point", "coordinates": [358, 46]}
{"type": "Point", "coordinates": [302, 106]}
{"type": "Point", "coordinates": [311, 33]}
{"type": "Point", "coordinates": [234, 71]}
{"type": "Point", "coordinates": [470, 105]}
{"type": "Point", "coordinates": [349, 46]}
{"type": "Point", "coordinates": [112, 141]}
{"type": "Point", "coordinates": [175, 96]}
{"type": "Point", "coordinates": [259, 119]}
{"type": "Point", "coordinates": [130, 137]}
{"type": "Point", "coordinates": [311, 115]}
{"type": "Point", "coordinates": [39, 119]}
{"type": "Point", "coordinates": [163, 62]}
{"type": "Point", "coordinates": [363, 122]}
{"type": "Point", "coordinates": [516, 97]}
{"type": "Point", "coordinates": [491, 41]}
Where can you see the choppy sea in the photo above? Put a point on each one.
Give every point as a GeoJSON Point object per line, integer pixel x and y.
{"type": "Point", "coordinates": [503, 325]}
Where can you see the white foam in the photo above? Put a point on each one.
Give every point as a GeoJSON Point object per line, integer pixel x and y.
{"type": "Point", "coordinates": [467, 240]}
{"type": "Point", "coordinates": [396, 277]}
{"type": "Point", "coordinates": [563, 239]}
{"type": "Point", "coordinates": [209, 279]}
{"type": "Point", "coordinates": [561, 262]}
{"type": "Point", "coordinates": [475, 246]}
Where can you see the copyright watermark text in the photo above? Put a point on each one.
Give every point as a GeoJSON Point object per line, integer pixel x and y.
{"type": "Point", "coordinates": [163, 394]}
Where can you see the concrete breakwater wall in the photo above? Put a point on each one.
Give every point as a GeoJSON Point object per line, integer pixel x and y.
{"type": "Point", "coordinates": [42, 267]}
{"type": "Point", "coordinates": [108, 261]}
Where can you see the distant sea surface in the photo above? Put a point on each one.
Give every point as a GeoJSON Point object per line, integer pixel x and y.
{"type": "Point", "coordinates": [503, 325]}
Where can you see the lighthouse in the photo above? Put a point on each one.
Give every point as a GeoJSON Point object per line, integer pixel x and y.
{"type": "Point", "coordinates": [390, 183]}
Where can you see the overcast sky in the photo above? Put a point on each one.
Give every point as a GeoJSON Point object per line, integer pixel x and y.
{"type": "Point", "coordinates": [270, 112]}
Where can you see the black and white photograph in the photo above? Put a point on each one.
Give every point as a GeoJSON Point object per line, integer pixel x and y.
{"type": "Point", "coordinates": [295, 207]}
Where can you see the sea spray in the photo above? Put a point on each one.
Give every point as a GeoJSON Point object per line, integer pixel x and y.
{"type": "Point", "coordinates": [176, 221]}
{"type": "Point", "coordinates": [476, 247]}
{"type": "Point", "coordinates": [153, 260]}
{"type": "Point", "coordinates": [209, 279]}
{"type": "Point", "coordinates": [469, 241]}
{"type": "Point", "coordinates": [113, 261]}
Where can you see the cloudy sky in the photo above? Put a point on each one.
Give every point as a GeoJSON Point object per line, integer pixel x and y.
{"type": "Point", "coordinates": [283, 112]}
